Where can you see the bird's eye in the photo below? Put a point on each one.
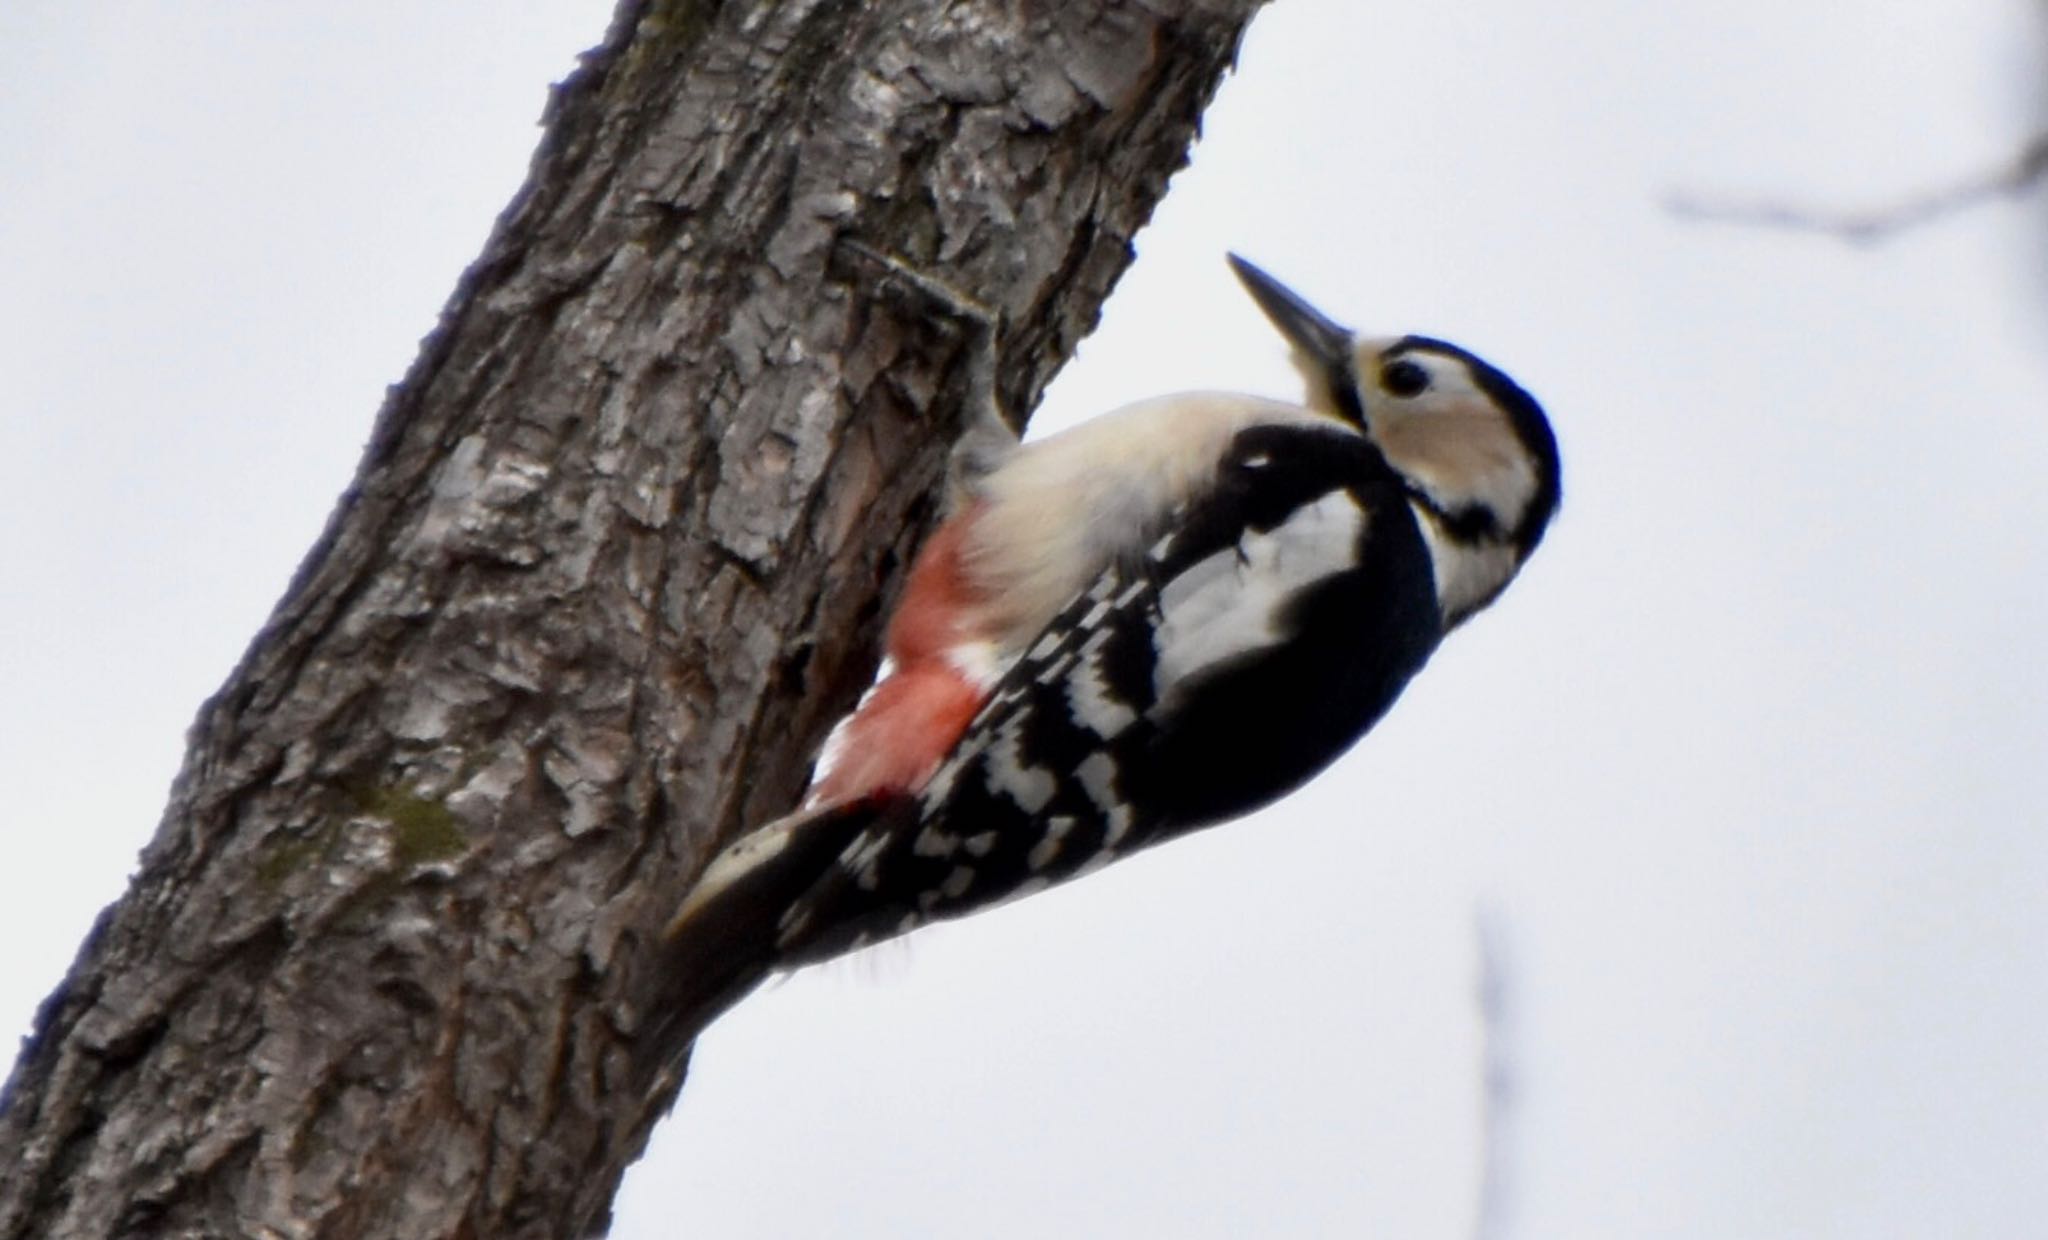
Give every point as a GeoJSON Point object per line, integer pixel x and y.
{"type": "Point", "coordinates": [1404, 378]}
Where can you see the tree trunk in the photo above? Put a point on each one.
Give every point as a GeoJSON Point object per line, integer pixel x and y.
{"type": "Point", "coordinates": [613, 558]}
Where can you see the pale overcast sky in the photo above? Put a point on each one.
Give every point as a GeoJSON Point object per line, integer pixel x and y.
{"type": "Point", "coordinates": [1748, 768]}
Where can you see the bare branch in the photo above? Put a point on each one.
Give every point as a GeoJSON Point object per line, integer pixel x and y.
{"type": "Point", "coordinates": [1871, 226]}
{"type": "Point", "coordinates": [1500, 1082]}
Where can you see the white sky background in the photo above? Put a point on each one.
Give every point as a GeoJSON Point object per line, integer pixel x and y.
{"type": "Point", "coordinates": [1749, 766]}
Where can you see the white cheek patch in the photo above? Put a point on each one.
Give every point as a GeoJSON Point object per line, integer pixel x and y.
{"type": "Point", "coordinates": [1501, 482]}
{"type": "Point", "coordinates": [1234, 601]}
{"type": "Point", "coordinates": [1511, 488]}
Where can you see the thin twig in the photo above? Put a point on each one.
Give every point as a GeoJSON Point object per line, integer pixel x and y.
{"type": "Point", "coordinates": [1868, 227]}
{"type": "Point", "coordinates": [1499, 1086]}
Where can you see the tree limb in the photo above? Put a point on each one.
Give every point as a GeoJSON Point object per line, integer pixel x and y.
{"type": "Point", "coordinates": [611, 562]}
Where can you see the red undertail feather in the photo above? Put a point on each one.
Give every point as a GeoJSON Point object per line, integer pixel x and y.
{"type": "Point", "coordinates": [940, 597]}
{"type": "Point", "coordinates": [729, 932]}
{"type": "Point", "coordinates": [910, 720]}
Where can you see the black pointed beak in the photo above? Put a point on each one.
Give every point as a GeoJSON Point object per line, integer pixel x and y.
{"type": "Point", "coordinates": [1324, 345]}
{"type": "Point", "coordinates": [1305, 327]}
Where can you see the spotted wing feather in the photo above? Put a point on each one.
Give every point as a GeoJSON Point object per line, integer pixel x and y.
{"type": "Point", "coordinates": [1282, 614]}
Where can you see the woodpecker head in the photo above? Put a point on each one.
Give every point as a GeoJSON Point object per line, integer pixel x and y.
{"type": "Point", "coordinates": [1474, 449]}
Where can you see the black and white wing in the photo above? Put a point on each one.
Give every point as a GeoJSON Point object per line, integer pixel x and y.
{"type": "Point", "coordinates": [1260, 634]}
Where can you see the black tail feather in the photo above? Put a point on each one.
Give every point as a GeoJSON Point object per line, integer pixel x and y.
{"type": "Point", "coordinates": [723, 941]}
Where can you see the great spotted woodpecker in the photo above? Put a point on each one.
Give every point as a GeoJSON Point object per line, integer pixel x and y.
{"type": "Point", "coordinates": [1153, 622]}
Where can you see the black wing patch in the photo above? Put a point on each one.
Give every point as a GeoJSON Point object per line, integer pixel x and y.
{"type": "Point", "coordinates": [1217, 669]}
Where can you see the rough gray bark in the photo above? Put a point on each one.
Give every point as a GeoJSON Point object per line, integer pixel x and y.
{"type": "Point", "coordinates": [613, 558]}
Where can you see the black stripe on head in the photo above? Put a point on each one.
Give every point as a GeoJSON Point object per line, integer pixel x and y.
{"type": "Point", "coordinates": [1531, 427]}
{"type": "Point", "coordinates": [1343, 380]}
{"type": "Point", "coordinates": [1470, 524]}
